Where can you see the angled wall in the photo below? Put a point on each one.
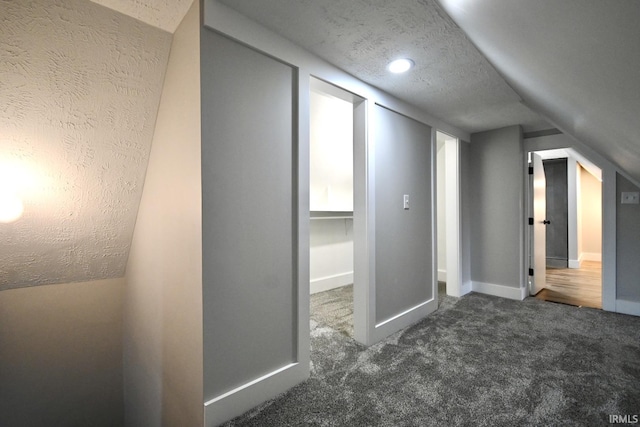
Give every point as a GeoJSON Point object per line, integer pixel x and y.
{"type": "Point", "coordinates": [79, 91]}
{"type": "Point", "coordinates": [163, 297]}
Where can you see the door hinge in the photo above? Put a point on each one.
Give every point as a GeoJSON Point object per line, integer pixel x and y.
{"type": "Point", "coordinates": [530, 170]}
{"type": "Point", "coordinates": [531, 272]}
{"type": "Point", "coordinates": [530, 221]}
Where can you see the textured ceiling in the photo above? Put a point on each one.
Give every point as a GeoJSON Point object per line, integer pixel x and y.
{"type": "Point", "coordinates": [79, 91]}
{"type": "Point", "coordinates": [576, 61]}
{"type": "Point", "coordinates": [451, 79]}
{"type": "Point", "coordinates": [164, 14]}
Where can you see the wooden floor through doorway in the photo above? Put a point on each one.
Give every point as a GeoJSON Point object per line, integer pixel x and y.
{"type": "Point", "coordinates": [575, 286]}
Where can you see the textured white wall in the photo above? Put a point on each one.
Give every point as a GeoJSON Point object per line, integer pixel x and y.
{"type": "Point", "coordinates": [79, 91]}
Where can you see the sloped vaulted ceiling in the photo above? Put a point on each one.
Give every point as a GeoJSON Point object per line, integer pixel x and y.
{"type": "Point", "coordinates": [164, 14]}
{"type": "Point", "coordinates": [484, 64]}
{"type": "Point", "coordinates": [79, 91]}
{"type": "Point", "coordinates": [451, 79]}
{"type": "Point", "coordinates": [575, 61]}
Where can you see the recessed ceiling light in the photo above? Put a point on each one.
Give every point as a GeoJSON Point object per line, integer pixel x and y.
{"type": "Point", "coordinates": [401, 65]}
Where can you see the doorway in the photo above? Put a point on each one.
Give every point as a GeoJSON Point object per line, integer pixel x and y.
{"type": "Point", "coordinates": [448, 216]}
{"type": "Point", "coordinates": [565, 228]}
{"type": "Point", "coordinates": [331, 205]}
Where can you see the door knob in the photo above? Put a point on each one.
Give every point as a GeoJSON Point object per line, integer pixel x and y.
{"type": "Point", "coordinates": [546, 221]}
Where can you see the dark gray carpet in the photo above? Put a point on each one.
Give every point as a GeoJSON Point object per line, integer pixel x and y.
{"type": "Point", "coordinates": [479, 360]}
{"type": "Point", "coordinates": [334, 308]}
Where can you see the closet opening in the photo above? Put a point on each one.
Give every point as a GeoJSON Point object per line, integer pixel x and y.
{"type": "Point", "coordinates": [333, 112]}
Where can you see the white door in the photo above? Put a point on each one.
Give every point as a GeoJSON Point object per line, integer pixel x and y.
{"type": "Point", "coordinates": [538, 235]}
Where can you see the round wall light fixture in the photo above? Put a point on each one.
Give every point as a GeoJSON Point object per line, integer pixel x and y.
{"type": "Point", "coordinates": [401, 65]}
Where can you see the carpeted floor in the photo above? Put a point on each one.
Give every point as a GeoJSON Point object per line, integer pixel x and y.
{"type": "Point", "coordinates": [478, 360]}
{"type": "Point", "coordinates": [334, 308]}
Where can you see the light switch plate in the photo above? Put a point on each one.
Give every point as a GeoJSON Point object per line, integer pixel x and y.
{"type": "Point", "coordinates": [406, 202]}
{"type": "Point", "coordinates": [630, 198]}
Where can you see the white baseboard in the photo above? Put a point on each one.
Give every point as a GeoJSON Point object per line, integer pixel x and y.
{"type": "Point", "coordinates": [400, 321]}
{"type": "Point", "coordinates": [628, 307]}
{"type": "Point", "coordinates": [574, 263]}
{"type": "Point", "coordinates": [247, 396]}
{"type": "Point", "coordinates": [442, 275]}
{"type": "Point", "coordinates": [465, 288]}
{"type": "Point", "coordinates": [331, 282]}
{"type": "Point", "coordinates": [499, 290]}
{"type": "Point", "coordinates": [591, 256]}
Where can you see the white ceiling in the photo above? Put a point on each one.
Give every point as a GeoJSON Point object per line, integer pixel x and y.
{"type": "Point", "coordinates": [451, 79]}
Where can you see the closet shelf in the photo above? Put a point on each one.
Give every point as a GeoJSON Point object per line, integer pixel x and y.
{"type": "Point", "coordinates": [318, 215]}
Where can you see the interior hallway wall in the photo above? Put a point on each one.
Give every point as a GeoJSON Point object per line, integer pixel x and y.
{"type": "Point", "coordinates": [404, 248]}
{"type": "Point", "coordinates": [627, 246]}
{"type": "Point", "coordinates": [575, 212]}
{"type": "Point", "coordinates": [590, 217]}
{"type": "Point", "coordinates": [250, 216]}
{"type": "Point", "coordinates": [496, 197]}
{"type": "Point", "coordinates": [465, 217]}
{"type": "Point", "coordinates": [440, 208]}
{"type": "Point", "coordinates": [163, 298]}
{"type": "Point", "coordinates": [61, 355]}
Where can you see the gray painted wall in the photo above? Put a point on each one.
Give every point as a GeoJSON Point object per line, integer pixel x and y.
{"type": "Point", "coordinates": [248, 176]}
{"type": "Point", "coordinates": [495, 196]}
{"type": "Point", "coordinates": [404, 259]}
{"type": "Point", "coordinates": [440, 207]}
{"type": "Point", "coordinates": [465, 214]}
{"type": "Point", "coordinates": [627, 244]}
{"type": "Point", "coordinates": [163, 297]}
{"type": "Point", "coordinates": [61, 355]}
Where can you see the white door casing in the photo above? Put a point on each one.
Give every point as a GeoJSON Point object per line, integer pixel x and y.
{"type": "Point", "coordinates": [539, 226]}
